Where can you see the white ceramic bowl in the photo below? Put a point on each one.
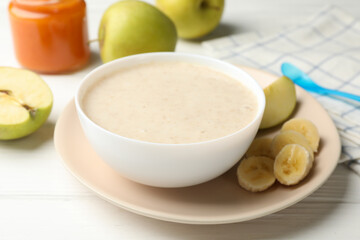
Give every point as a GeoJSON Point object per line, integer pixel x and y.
{"type": "Point", "coordinates": [169, 165]}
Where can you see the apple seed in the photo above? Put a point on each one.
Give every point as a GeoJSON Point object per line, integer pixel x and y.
{"type": "Point", "coordinates": [9, 94]}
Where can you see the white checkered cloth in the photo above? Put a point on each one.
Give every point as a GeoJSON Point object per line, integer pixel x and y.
{"type": "Point", "coordinates": [327, 48]}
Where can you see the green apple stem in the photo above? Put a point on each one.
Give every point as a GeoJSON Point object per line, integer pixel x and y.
{"type": "Point", "coordinates": [9, 94]}
{"type": "Point", "coordinates": [92, 40]}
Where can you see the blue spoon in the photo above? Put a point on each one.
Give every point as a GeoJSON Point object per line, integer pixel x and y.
{"type": "Point", "coordinates": [300, 78]}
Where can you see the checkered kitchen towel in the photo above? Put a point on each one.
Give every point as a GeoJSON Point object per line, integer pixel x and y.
{"type": "Point", "coordinates": [327, 48]}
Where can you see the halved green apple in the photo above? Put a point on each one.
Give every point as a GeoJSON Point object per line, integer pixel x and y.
{"type": "Point", "coordinates": [280, 102]}
{"type": "Point", "coordinates": [25, 102]}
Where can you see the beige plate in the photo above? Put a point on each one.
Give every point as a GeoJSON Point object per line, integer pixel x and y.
{"type": "Point", "coordinates": [218, 201]}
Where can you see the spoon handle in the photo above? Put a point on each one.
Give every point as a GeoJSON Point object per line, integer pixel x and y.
{"type": "Point", "coordinates": [342, 94]}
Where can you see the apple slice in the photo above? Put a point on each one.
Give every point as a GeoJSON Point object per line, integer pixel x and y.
{"type": "Point", "coordinates": [25, 102]}
{"type": "Point", "coordinates": [280, 102]}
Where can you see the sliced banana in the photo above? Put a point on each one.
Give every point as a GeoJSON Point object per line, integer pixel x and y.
{"type": "Point", "coordinates": [306, 128]}
{"type": "Point", "coordinates": [292, 164]}
{"type": "Point", "coordinates": [260, 147]}
{"type": "Point", "coordinates": [256, 174]}
{"type": "Point", "coordinates": [289, 137]}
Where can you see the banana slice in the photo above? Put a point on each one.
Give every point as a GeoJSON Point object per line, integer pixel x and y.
{"type": "Point", "coordinates": [256, 174]}
{"type": "Point", "coordinates": [306, 128]}
{"type": "Point", "coordinates": [292, 164]}
{"type": "Point", "coordinates": [260, 147]}
{"type": "Point", "coordinates": [289, 137]}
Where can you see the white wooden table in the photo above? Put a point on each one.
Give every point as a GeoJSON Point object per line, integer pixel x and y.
{"type": "Point", "coordinates": [39, 199]}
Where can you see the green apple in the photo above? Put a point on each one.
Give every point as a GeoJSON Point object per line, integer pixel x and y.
{"type": "Point", "coordinates": [25, 102]}
{"type": "Point", "coordinates": [193, 18]}
{"type": "Point", "coordinates": [132, 27]}
{"type": "Point", "coordinates": [280, 102]}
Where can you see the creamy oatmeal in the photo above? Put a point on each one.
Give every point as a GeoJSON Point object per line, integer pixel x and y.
{"type": "Point", "coordinates": [172, 102]}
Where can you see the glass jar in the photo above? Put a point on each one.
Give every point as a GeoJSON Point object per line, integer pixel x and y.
{"type": "Point", "coordinates": [50, 36]}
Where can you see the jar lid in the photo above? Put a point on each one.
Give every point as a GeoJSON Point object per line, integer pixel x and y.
{"type": "Point", "coordinates": [46, 6]}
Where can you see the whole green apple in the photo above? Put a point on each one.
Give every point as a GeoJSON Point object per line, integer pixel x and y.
{"type": "Point", "coordinates": [193, 18]}
{"type": "Point", "coordinates": [132, 27]}
{"type": "Point", "coordinates": [25, 102]}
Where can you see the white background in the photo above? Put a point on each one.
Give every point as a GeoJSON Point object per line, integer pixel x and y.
{"type": "Point", "coordinates": [39, 199]}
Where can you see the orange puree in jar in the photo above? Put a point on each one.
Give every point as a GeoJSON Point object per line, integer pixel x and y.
{"type": "Point", "coordinates": [50, 36]}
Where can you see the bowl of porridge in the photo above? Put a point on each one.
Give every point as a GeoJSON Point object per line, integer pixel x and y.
{"type": "Point", "coordinates": [169, 119]}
